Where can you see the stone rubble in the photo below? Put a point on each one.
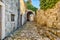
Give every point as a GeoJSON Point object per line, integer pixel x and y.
{"type": "Point", "coordinates": [49, 17]}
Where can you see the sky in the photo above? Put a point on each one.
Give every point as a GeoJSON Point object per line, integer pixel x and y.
{"type": "Point", "coordinates": [35, 3]}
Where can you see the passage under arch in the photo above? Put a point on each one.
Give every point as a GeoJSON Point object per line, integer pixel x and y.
{"type": "Point", "coordinates": [30, 16]}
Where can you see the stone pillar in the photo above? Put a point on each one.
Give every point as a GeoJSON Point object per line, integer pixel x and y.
{"type": "Point", "coordinates": [3, 20]}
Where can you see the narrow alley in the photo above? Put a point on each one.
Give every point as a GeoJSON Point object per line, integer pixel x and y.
{"type": "Point", "coordinates": [29, 19]}
{"type": "Point", "coordinates": [30, 31]}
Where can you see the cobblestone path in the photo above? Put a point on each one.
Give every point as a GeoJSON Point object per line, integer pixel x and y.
{"type": "Point", "coordinates": [31, 31]}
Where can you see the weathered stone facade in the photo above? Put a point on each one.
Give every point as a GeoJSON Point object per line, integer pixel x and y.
{"type": "Point", "coordinates": [2, 20]}
{"type": "Point", "coordinates": [13, 13]}
{"type": "Point", "coordinates": [10, 15]}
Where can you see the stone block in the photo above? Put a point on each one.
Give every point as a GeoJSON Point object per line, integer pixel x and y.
{"type": "Point", "coordinates": [58, 33]}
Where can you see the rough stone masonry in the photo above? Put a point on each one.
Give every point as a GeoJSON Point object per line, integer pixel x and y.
{"type": "Point", "coordinates": [50, 17]}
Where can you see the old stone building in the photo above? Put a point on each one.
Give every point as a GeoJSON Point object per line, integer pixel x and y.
{"type": "Point", "coordinates": [13, 14]}
{"type": "Point", "coordinates": [22, 12]}
{"type": "Point", "coordinates": [8, 17]}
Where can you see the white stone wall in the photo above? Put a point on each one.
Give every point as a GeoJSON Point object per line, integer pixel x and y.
{"type": "Point", "coordinates": [10, 8]}
{"type": "Point", "coordinates": [3, 20]}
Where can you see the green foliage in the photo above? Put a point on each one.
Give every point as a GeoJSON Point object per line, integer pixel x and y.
{"type": "Point", "coordinates": [45, 4]}
{"type": "Point", "coordinates": [30, 7]}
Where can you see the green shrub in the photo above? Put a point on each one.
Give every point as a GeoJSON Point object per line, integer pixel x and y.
{"type": "Point", "coordinates": [45, 4]}
{"type": "Point", "coordinates": [30, 6]}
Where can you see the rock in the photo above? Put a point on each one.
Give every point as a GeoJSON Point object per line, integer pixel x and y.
{"type": "Point", "coordinates": [57, 38]}
{"type": "Point", "coordinates": [58, 33]}
{"type": "Point", "coordinates": [22, 34]}
{"type": "Point", "coordinates": [58, 25]}
{"type": "Point", "coordinates": [9, 38]}
{"type": "Point", "coordinates": [45, 38]}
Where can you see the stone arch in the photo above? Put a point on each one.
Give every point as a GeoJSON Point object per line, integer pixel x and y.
{"type": "Point", "coordinates": [30, 15]}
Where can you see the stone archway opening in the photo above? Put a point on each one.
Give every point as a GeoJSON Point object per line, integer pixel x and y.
{"type": "Point", "coordinates": [30, 16]}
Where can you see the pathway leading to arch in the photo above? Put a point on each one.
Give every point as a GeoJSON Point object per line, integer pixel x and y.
{"type": "Point", "coordinates": [31, 32]}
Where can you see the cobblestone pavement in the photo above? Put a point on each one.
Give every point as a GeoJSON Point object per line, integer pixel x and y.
{"type": "Point", "coordinates": [31, 31]}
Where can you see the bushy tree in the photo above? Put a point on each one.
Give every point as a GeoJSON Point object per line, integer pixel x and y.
{"type": "Point", "coordinates": [45, 4]}
{"type": "Point", "coordinates": [30, 6]}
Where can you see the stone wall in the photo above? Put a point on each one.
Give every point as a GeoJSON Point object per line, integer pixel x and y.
{"type": "Point", "coordinates": [2, 27]}
{"type": "Point", "coordinates": [10, 8]}
{"type": "Point", "coordinates": [49, 17]}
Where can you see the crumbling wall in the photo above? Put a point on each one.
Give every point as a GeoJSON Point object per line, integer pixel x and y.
{"type": "Point", "coordinates": [49, 17]}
